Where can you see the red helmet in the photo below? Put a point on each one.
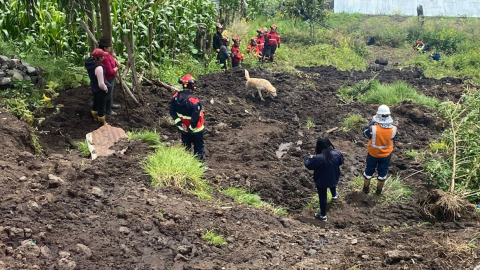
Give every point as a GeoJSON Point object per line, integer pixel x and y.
{"type": "Point", "coordinates": [274, 26]}
{"type": "Point", "coordinates": [236, 39]}
{"type": "Point", "coordinates": [226, 39]}
{"type": "Point", "coordinates": [187, 80]}
{"type": "Point", "coordinates": [254, 38]}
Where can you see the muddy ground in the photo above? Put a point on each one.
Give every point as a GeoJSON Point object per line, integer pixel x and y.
{"type": "Point", "coordinates": [61, 210]}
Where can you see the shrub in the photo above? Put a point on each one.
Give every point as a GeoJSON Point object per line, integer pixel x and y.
{"type": "Point", "coordinates": [214, 239]}
{"type": "Point", "coordinates": [396, 93]}
{"type": "Point", "coordinates": [83, 148]}
{"type": "Point", "coordinates": [354, 122]}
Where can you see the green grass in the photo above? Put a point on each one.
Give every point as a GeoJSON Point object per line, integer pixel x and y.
{"type": "Point", "coordinates": [174, 166]}
{"type": "Point", "coordinates": [314, 203]}
{"type": "Point", "coordinates": [244, 197]}
{"type": "Point", "coordinates": [214, 239]}
{"type": "Point", "coordinates": [354, 122]}
{"type": "Point", "coordinates": [83, 148]}
{"type": "Point", "coordinates": [310, 123]}
{"type": "Point", "coordinates": [394, 191]}
{"type": "Point", "coordinates": [412, 154]}
{"type": "Point", "coordinates": [150, 137]}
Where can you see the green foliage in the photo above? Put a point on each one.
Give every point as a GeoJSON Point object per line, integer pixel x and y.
{"type": "Point", "coordinates": [174, 166]}
{"type": "Point", "coordinates": [394, 190]}
{"type": "Point", "coordinates": [459, 143]}
{"type": "Point", "coordinates": [83, 148]}
{"type": "Point", "coordinates": [310, 123]}
{"type": "Point", "coordinates": [353, 122]}
{"type": "Point", "coordinates": [314, 203]}
{"type": "Point", "coordinates": [150, 137]}
{"type": "Point", "coordinates": [390, 94]}
{"type": "Point", "coordinates": [244, 197]}
{"type": "Point", "coordinates": [384, 32]}
{"type": "Point", "coordinates": [306, 10]}
{"type": "Point", "coordinates": [412, 154]}
{"type": "Point", "coordinates": [213, 239]}
{"type": "Point", "coordinates": [35, 143]}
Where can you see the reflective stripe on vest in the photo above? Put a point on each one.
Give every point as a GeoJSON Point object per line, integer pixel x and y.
{"type": "Point", "coordinates": [381, 143]}
{"type": "Point", "coordinates": [374, 138]}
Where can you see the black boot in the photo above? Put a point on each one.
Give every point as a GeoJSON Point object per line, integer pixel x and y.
{"type": "Point", "coordinates": [109, 108]}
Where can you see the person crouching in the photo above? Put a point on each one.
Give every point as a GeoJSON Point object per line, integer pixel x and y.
{"type": "Point", "coordinates": [381, 133]}
{"type": "Point", "coordinates": [98, 83]}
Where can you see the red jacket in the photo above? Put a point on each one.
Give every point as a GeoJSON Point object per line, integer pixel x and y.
{"type": "Point", "coordinates": [109, 64]}
{"type": "Point", "coordinates": [273, 39]}
{"type": "Point", "coordinates": [236, 54]}
{"type": "Point", "coordinates": [260, 44]}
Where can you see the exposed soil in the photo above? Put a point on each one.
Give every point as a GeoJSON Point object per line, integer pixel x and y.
{"type": "Point", "coordinates": [105, 215]}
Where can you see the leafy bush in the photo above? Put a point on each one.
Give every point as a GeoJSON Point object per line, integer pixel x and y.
{"type": "Point", "coordinates": [213, 239]}
{"type": "Point", "coordinates": [151, 138]}
{"type": "Point", "coordinates": [83, 148]}
{"type": "Point", "coordinates": [412, 154]}
{"type": "Point", "coordinates": [354, 122]}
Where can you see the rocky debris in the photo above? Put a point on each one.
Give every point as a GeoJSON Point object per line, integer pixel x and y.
{"type": "Point", "coordinates": [97, 192]}
{"type": "Point", "coordinates": [28, 249]}
{"type": "Point", "coordinates": [354, 241]}
{"type": "Point", "coordinates": [395, 256]}
{"type": "Point", "coordinates": [124, 230]}
{"type": "Point", "coordinates": [64, 254]}
{"type": "Point", "coordinates": [65, 264]}
{"type": "Point", "coordinates": [14, 68]}
{"type": "Point", "coordinates": [45, 252]}
{"type": "Point", "coordinates": [84, 250]}
{"type": "Point", "coordinates": [3, 266]}
{"type": "Point", "coordinates": [55, 181]}
{"type": "Point", "coordinates": [185, 250]}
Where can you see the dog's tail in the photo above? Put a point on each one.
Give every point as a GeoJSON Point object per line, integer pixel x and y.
{"type": "Point", "coordinates": [247, 75]}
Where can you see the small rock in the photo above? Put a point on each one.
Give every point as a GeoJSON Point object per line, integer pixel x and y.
{"type": "Point", "coordinates": [224, 220]}
{"type": "Point", "coordinates": [3, 59]}
{"type": "Point", "coordinates": [64, 254]}
{"type": "Point", "coordinates": [230, 239]}
{"type": "Point", "coordinates": [2, 74]}
{"type": "Point", "coordinates": [97, 191]}
{"type": "Point", "coordinates": [22, 179]}
{"type": "Point", "coordinates": [219, 213]}
{"type": "Point", "coordinates": [16, 74]}
{"type": "Point", "coordinates": [64, 264]}
{"type": "Point", "coordinates": [395, 256]}
{"type": "Point", "coordinates": [312, 252]}
{"type": "Point", "coordinates": [354, 241]}
{"type": "Point", "coordinates": [180, 257]}
{"type": "Point", "coordinates": [3, 266]}
{"type": "Point", "coordinates": [5, 81]}
{"type": "Point", "coordinates": [84, 250]}
{"type": "Point", "coordinates": [365, 257]}
{"type": "Point", "coordinates": [28, 232]}
{"type": "Point", "coordinates": [45, 252]}
{"type": "Point", "coordinates": [184, 250]}
{"type": "Point", "coordinates": [222, 126]}
{"type": "Point", "coordinates": [55, 181]}
{"type": "Point", "coordinates": [30, 70]}
{"type": "Point", "coordinates": [124, 230]}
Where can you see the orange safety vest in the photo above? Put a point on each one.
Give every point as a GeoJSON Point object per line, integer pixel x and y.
{"type": "Point", "coordinates": [381, 143]}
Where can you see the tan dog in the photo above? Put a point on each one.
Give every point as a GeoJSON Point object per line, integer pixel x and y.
{"type": "Point", "coordinates": [259, 85]}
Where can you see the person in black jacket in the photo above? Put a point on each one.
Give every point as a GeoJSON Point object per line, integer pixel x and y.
{"type": "Point", "coordinates": [186, 111]}
{"type": "Point", "coordinates": [98, 83]}
{"type": "Point", "coordinates": [224, 54]}
{"type": "Point", "coordinates": [217, 38]}
{"type": "Point", "coordinates": [326, 165]}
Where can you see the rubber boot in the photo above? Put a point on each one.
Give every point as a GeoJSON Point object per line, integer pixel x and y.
{"type": "Point", "coordinates": [366, 186]}
{"type": "Point", "coordinates": [115, 106]}
{"type": "Point", "coordinates": [379, 187]}
{"type": "Point", "coordinates": [108, 110]}
{"type": "Point", "coordinates": [102, 120]}
{"type": "Point", "coordinates": [95, 115]}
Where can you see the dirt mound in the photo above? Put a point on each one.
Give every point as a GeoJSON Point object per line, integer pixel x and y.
{"type": "Point", "coordinates": [105, 215]}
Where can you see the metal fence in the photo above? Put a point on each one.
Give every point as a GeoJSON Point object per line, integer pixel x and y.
{"type": "Point", "coordinates": [449, 8]}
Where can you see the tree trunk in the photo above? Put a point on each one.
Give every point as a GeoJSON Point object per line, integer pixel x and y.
{"type": "Point", "coordinates": [106, 19]}
{"type": "Point", "coordinates": [91, 24]}
{"type": "Point", "coordinates": [99, 19]}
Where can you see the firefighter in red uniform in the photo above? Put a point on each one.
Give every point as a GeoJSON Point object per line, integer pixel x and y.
{"type": "Point", "coordinates": [252, 47]}
{"type": "Point", "coordinates": [273, 41]}
{"type": "Point", "coordinates": [381, 132]}
{"type": "Point", "coordinates": [261, 42]}
{"type": "Point", "coordinates": [186, 111]}
{"type": "Point", "coordinates": [236, 55]}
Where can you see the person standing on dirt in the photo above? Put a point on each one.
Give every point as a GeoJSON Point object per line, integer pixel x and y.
{"type": "Point", "coordinates": [326, 165]}
{"type": "Point", "coordinates": [186, 111]}
{"type": "Point", "coordinates": [224, 54]}
{"type": "Point", "coordinates": [381, 133]}
{"type": "Point", "coordinates": [252, 47]}
{"type": "Point", "coordinates": [217, 38]}
{"type": "Point", "coordinates": [237, 57]}
{"type": "Point", "coordinates": [261, 42]}
{"type": "Point", "coordinates": [273, 41]}
{"type": "Point", "coordinates": [98, 83]}
{"type": "Point", "coordinates": [111, 72]}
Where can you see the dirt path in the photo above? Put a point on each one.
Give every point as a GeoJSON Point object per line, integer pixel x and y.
{"type": "Point", "coordinates": [105, 215]}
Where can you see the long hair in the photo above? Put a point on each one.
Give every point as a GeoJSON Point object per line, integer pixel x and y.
{"type": "Point", "coordinates": [324, 146]}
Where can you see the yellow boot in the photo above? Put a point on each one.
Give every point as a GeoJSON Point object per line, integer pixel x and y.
{"type": "Point", "coordinates": [102, 120]}
{"type": "Point", "coordinates": [95, 115]}
{"type": "Point", "coordinates": [379, 187]}
{"type": "Point", "coordinates": [366, 186]}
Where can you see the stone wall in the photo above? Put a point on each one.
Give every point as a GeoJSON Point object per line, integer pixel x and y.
{"type": "Point", "coordinates": [13, 68]}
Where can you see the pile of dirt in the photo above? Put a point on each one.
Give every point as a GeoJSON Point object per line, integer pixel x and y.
{"type": "Point", "coordinates": [61, 210]}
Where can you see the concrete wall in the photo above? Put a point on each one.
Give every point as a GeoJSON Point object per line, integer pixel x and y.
{"type": "Point", "coordinates": [449, 8]}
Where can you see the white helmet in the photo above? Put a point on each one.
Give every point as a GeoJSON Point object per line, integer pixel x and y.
{"type": "Point", "coordinates": [383, 110]}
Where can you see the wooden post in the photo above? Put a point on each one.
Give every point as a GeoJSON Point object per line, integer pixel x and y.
{"type": "Point", "coordinates": [106, 19]}
{"type": "Point", "coordinates": [89, 33]}
{"type": "Point", "coordinates": [150, 44]}
{"type": "Point", "coordinates": [131, 59]}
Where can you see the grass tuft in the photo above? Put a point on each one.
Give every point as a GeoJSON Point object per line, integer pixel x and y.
{"type": "Point", "coordinates": [213, 239]}
{"type": "Point", "coordinates": [394, 190]}
{"type": "Point", "coordinates": [83, 148]}
{"type": "Point", "coordinates": [174, 166]}
{"type": "Point", "coordinates": [412, 154]}
{"type": "Point", "coordinates": [354, 122]}
{"type": "Point", "coordinates": [150, 137]}
{"type": "Point", "coordinates": [310, 123]}
{"type": "Point", "coordinates": [244, 197]}
{"type": "Point", "coordinates": [314, 203]}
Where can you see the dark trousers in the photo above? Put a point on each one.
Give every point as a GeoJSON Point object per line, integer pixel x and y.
{"type": "Point", "coordinates": [322, 197]}
{"type": "Point", "coordinates": [99, 102]}
{"type": "Point", "coordinates": [235, 64]}
{"type": "Point", "coordinates": [223, 62]}
{"type": "Point", "coordinates": [269, 52]}
{"type": "Point", "coordinates": [198, 145]}
{"type": "Point", "coordinates": [110, 89]}
{"type": "Point", "coordinates": [379, 164]}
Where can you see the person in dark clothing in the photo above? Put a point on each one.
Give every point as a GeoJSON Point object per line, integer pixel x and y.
{"type": "Point", "coordinates": [98, 83]}
{"type": "Point", "coordinates": [186, 111]}
{"type": "Point", "coordinates": [217, 38]}
{"type": "Point", "coordinates": [224, 54]}
{"type": "Point", "coordinates": [111, 72]}
{"type": "Point", "coordinates": [326, 165]}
